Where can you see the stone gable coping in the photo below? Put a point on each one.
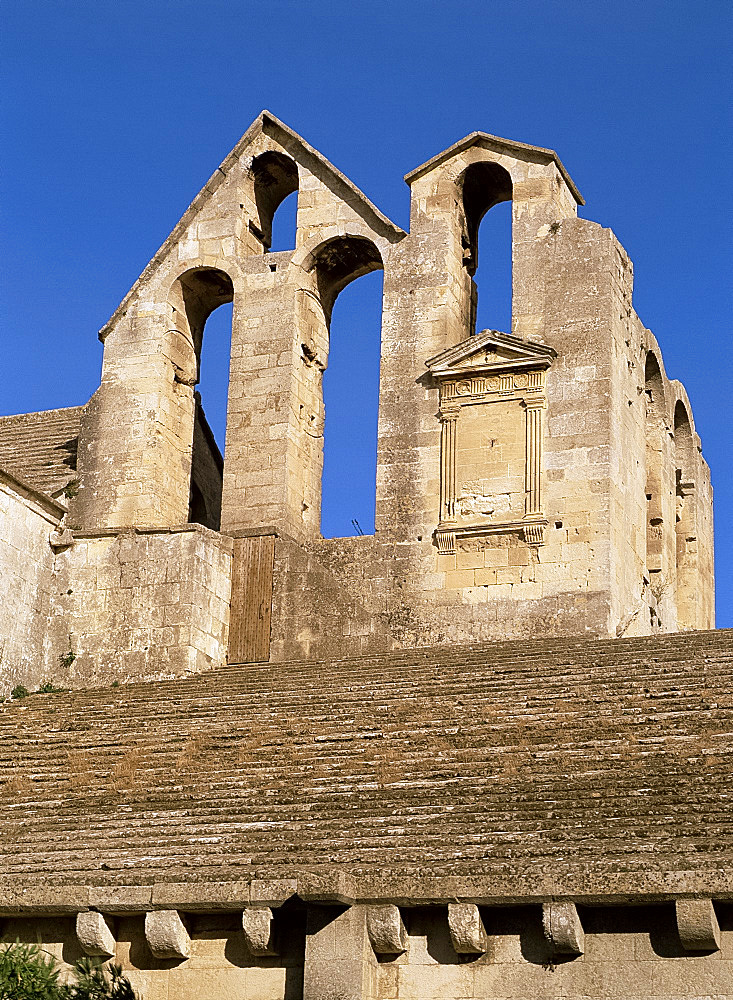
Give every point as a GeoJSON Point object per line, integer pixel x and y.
{"type": "Point", "coordinates": [520, 150]}
{"type": "Point", "coordinates": [301, 151]}
{"type": "Point", "coordinates": [48, 505]}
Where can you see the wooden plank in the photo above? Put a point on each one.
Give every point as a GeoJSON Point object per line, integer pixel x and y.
{"type": "Point", "coordinates": [251, 607]}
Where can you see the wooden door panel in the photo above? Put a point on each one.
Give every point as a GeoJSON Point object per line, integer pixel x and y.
{"type": "Point", "coordinates": [249, 623]}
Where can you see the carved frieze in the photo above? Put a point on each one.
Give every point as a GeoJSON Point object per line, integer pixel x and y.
{"type": "Point", "coordinates": [492, 401]}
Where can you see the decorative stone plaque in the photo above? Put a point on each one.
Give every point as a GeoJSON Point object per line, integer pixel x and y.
{"type": "Point", "coordinates": [492, 400]}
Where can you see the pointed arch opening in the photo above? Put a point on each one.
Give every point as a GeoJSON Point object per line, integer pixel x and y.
{"type": "Point", "coordinates": [200, 301]}
{"type": "Point", "coordinates": [341, 341]}
{"type": "Point", "coordinates": [484, 186]}
{"type": "Point", "coordinates": [275, 180]}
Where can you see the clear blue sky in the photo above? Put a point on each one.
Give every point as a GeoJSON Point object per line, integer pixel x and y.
{"type": "Point", "coordinates": [114, 114]}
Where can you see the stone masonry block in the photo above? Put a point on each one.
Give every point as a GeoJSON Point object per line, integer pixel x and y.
{"type": "Point", "coordinates": [259, 931]}
{"type": "Point", "coordinates": [386, 929]}
{"type": "Point", "coordinates": [697, 924]}
{"type": "Point", "coordinates": [166, 934]}
{"type": "Point", "coordinates": [95, 934]}
{"type": "Point", "coordinates": [485, 577]}
{"type": "Point", "coordinates": [339, 961]}
{"type": "Point", "coordinates": [466, 928]}
{"type": "Point", "coordinates": [563, 929]}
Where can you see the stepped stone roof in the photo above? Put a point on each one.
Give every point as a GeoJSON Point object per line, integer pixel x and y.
{"type": "Point", "coordinates": [597, 769]}
{"type": "Point", "coordinates": [40, 448]}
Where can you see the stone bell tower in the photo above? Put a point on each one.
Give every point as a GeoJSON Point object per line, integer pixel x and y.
{"type": "Point", "coordinates": [545, 479]}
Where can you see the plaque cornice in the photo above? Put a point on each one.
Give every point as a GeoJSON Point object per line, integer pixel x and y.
{"type": "Point", "coordinates": [448, 533]}
{"type": "Point", "coordinates": [491, 368]}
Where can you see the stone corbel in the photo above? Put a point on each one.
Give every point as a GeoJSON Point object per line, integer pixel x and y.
{"type": "Point", "coordinates": [466, 928]}
{"type": "Point", "coordinates": [166, 934]}
{"type": "Point", "coordinates": [95, 934]}
{"type": "Point", "coordinates": [259, 931]}
{"type": "Point", "coordinates": [446, 541]}
{"type": "Point", "coordinates": [61, 538]}
{"type": "Point", "coordinates": [386, 930]}
{"type": "Point", "coordinates": [563, 929]}
{"type": "Point", "coordinates": [697, 924]}
{"type": "Point", "coordinates": [534, 534]}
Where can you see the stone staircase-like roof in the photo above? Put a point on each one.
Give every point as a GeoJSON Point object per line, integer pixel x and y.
{"type": "Point", "coordinates": [593, 769]}
{"type": "Point", "coordinates": [40, 448]}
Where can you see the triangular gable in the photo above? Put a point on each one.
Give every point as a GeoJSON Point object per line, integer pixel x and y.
{"type": "Point", "coordinates": [490, 350]}
{"type": "Point", "coordinates": [302, 153]}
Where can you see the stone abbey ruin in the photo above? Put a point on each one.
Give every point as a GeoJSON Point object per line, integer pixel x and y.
{"type": "Point", "coordinates": [482, 753]}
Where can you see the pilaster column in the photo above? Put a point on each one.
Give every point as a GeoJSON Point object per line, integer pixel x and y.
{"type": "Point", "coordinates": [448, 421]}
{"type": "Point", "coordinates": [533, 462]}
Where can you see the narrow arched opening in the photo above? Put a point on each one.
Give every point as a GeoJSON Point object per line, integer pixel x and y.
{"type": "Point", "coordinates": [484, 186]}
{"type": "Point", "coordinates": [341, 352]}
{"type": "Point", "coordinates": [200, 302]}
{"type": "Point", "coordinates": [686, 551]}
{"type": "Point", "coordinates": [656, 527]}
{"type": "Point", "coordinates": [351, 399]}
{"type": "Point", "coordinates": [275, 180]}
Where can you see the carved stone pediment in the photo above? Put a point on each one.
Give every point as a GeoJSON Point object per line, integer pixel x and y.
{"type": "Point", "coordinates": [490, 352]}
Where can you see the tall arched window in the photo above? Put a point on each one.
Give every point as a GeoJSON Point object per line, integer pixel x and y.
{"type": "Point", "coordinates": [493, 276]}
{"type": "Point", "coordinates": [655, 485]}
{"type": "Point", "coordinates": [484, 186]}
{"type": "Point", "coordinates": [195, 296]}
{"type": "Point", "coordinates": [341, 346]}
{"type": "Point", "coordinates": [351, 404]}
{"type": "Point", "coordinates": [213, 384]}
{"type": "Point", "coordinates": [688, 597]}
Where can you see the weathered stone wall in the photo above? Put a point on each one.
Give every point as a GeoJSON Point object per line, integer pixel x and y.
{"type": "Point", "coordinates": [314, 615]}
{"type": "Point", "coordinates": [140, 604]}
{"type": "Point", "coordinates": [630, 953]}
{"type": "Point", "coordinates": [586, 470]}
{"type": "Point", "coordinates": [634, 953]}
{"type": "Point", "coordinates": [590, 575]}
{"type": "Point", "coordinates": [557, 298]}
{"type": "Point", "coordinates": [27, 519]}
{"type": "Point", "coordinates": [474, 599]}
{"type": "Point", "coordinates": [274, 452]}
